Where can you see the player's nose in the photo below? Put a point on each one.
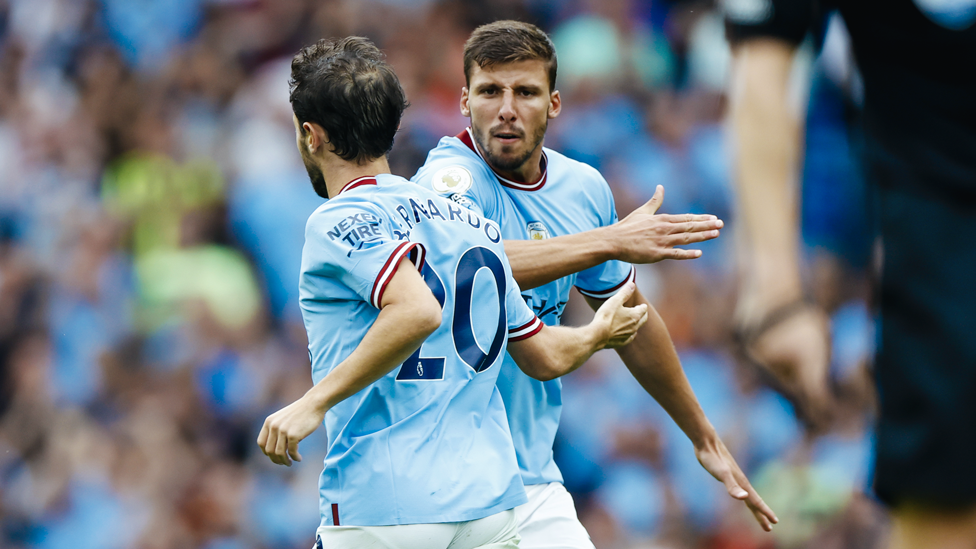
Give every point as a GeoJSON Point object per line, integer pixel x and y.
{"type": "Point", "coordinates": [507, 111]}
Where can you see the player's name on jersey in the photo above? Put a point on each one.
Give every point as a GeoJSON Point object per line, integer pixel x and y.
{"type": "Point", "coordinates": [415, 213]}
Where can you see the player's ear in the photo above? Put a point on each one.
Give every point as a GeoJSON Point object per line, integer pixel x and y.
{"type": "Point", "coordinates": [555, 104]}
{"type": "Point", "coordinates": [465, 111]}
{"type": "Point", "coordinates": [313, 136]}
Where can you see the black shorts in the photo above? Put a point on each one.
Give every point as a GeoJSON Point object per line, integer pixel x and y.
{"type": "Point", "coordinates": [926, 362]}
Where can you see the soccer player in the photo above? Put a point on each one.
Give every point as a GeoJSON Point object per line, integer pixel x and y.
{"type": "Point", "coordinates": [409, 304]}
{"type": "Point", "coordinates": [917, 60]}
{"type": "Point", "coordinates": [560, 229]}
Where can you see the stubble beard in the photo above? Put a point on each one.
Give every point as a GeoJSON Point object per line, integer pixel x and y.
{"type": "Point", "coordinates": [511, 163]}
{"type": "Point", "coordinates": [315, 176]}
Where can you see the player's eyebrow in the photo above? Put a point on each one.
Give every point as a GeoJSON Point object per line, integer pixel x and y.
{"type": "Point", "coordinates": [532, 88]}
{"type": "Point", "coordinates": [486, 86]}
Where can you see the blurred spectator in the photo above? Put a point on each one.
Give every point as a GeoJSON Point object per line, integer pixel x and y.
{"type": "Point", "coordinates": [152, 218]}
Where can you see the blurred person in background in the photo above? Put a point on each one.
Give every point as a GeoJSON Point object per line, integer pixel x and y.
{"type": "Point", "coordinates": [919, 117]}
{"type": "Point", "coordinates": [561, 231]}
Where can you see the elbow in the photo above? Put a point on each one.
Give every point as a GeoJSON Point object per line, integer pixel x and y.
{"type": "Point", "coordinates": [428, 316]}
{"type": "Point", "coordinates": [546, 370]}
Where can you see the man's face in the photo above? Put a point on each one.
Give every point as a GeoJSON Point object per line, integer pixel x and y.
{"type": "Point", "coordinates": [314, 173]}
{"type": "Point", "coordinates": [510, 106]}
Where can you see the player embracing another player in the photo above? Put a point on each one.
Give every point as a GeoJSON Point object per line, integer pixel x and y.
{"type": "Point", "coordinates": [558, 220]}
{"type": "Point", "coordinates": [409, 305]}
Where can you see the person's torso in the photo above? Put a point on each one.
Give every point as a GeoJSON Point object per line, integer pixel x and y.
{"type": "Point", "coordinates": [918, 62]}
{"type": "Point", "coordinates": [569, 198]}
{"type": "Point", "coordinates": [428, 442]}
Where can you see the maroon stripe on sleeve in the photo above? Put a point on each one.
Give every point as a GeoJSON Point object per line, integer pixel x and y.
{"type": "Point", "coordinates": [335, 514]}
{"type": "Point", "coordinates": [386, 273]}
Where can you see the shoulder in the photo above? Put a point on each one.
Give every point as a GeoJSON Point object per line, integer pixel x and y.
{"type": "Point", "coordinates": [343, 212]}
{"type": "Point", "coordinates": [578, 176]}
{"type": "Point", "coordinates": [451, 167]}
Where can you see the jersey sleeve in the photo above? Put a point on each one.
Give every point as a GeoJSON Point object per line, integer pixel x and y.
{"type": "Point", "coordinates": [358, 245]}
{"type": "Point", "coordinates": [604, 280]}
{"type": "Point", "coordinates": [458, 177]}
{"type": "Point", "coordinates": [522, 322]}
{"type": "Point", "coordinates": [787, 20]}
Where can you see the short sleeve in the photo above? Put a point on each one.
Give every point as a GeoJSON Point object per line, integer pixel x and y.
{"type": "Point", "coordinates": [360, 247]}
{"type": "Point", "coordinates": [603, 280]}
{"type": "Point", "coordinates": [788, 20]}
{"type": "Point", "coordinates": [522, 322]}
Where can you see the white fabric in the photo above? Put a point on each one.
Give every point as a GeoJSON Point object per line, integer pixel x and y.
{"type": "Point", "coordinates": [497, 531]}
{"type": "Point", "coordinates": [549, 521]}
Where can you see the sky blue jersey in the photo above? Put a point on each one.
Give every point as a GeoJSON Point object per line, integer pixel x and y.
{"type": "Point", "coordinates": [569, 198]}
{"type": "Point", "coordinates": [429, 442]}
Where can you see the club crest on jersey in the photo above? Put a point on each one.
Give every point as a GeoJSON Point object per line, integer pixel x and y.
{"type": "Point", "coordinates": [537, 230]}
{"type": "Point", "coordinates": [452, 179]}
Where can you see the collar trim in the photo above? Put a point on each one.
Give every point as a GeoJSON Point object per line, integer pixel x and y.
{"type": "Point", "coordinates": [467, 138]}
{"type": "Point", "coordinates": [358, 182]}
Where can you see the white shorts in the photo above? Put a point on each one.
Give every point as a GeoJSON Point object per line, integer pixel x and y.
{"type": "Point", "coordinates": [548, 520]}
{"type": "Point", "coordinates": [497, 531]}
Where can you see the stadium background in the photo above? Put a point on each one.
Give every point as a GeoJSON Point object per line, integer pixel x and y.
{"type": "Point", "coordinates": [152, 207]}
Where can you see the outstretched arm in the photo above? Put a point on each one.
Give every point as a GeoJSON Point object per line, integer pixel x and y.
{"type": "Point", "coordinates": [653, 361]}
{"type": "Point", "coordinates": [408, 314]}
{"type": "Point", "coordinates": [644, 236]}
{"type": "Point", "coordinates": [558, 350]}
{"type": "Point", "coordinates": [788, 340]}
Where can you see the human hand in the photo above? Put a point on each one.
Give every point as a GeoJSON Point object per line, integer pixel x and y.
{"type": "Point", "coordinates": [621, 323]}
{"type": "Point", "coordinates": [645, 236]}
{"type": "Point", "coordinates": [792, 343]}
{"type": "Point", "coordinates": [717, 460]}
{"type": "Point", "coordinates": [284, 429]}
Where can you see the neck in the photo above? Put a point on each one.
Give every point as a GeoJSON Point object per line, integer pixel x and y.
{"type": "Point", "coordinates": [529, 172]}
{"type": "Point", "coordinates": [338, 174]}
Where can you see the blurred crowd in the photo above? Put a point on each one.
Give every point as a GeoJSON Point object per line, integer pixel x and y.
{"type": "Point", "coordinates": [152, 212]}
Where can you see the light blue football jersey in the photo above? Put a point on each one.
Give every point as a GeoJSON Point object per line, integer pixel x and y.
{"type": "Point", "coordinates": [429, 442]}
{"type": "Point", "coordinates": [569, 198]}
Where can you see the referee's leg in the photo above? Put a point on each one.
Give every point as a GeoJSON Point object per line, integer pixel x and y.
{"type": "Point", "coordinates": [916, 526]}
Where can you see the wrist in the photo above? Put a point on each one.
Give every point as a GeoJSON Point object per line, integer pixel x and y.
{"type": "Point", "coordinates": [606, 245]}
{"type": "Point", "coordinates": [319, 398]}
{"type": "Point", "coordinates": [597, 334]}
{"type": "Point", "coordinates": [706, 439]}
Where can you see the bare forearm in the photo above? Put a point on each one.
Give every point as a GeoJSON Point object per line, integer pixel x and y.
{"type": "Point", "coordinates": [767, 137]}
{"type": "Point", "coordinates": [394, 336]}
{"type": "Point", "coordinates": [652, 360]}
{"type": "Point", "coordinates": [538, 262]}
{"type": "Point", "coordinates": [556, 350]}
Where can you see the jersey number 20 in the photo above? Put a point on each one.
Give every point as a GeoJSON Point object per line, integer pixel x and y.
{"type": "Point", "coordinates": [418, 367]}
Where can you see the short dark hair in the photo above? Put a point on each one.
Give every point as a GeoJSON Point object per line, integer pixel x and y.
{"type": "Point", "coordinates": [507, 42]}
{"type": "Point", "coordinates": [345, 86]}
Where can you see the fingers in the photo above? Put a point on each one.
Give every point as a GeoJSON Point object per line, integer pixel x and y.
{"type": "Point", "coordinates": [281, 450]}
{"type": "Point", "coordinates": [681, 253]}
{"type": "Point", "coordinates": [642, 311]}
{"type": "Point", "coordinates": [654, 203]}
{"type": "Point", "coordinates": [293, 449]}
{"type": "Point", "coordinates": [617, 300]}
{"type": "Point", "coordinates": [763, 521]}
{"type": "Point", "coordinates": [763, 514]}
{"type": "Point", "coordinates": [709, 227]}
{"type": "Point", "coordinates": [707, 221]}
{"type": "Point", "coordinates": [274, 443]}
